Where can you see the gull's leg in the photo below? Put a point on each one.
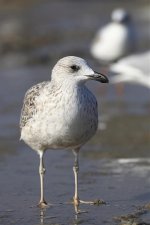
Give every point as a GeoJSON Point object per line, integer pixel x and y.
{"type": "Point", "coordinates": [42, 202]}
{"type": "Point", "coordinates": [76, 198]}
{"type": "Point", "coordinates": [76, 170]}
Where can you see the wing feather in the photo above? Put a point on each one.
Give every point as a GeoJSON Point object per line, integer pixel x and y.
{"type": "Point", "coordinates": [29, 103]}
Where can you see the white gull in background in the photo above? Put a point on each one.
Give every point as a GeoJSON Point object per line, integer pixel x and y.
{"type": "Point", "coordinates": [116, 39]}
{"type": "Point", "coordinates": [132, 69]}
{"type": "Point", "coordinates": [61, 113]}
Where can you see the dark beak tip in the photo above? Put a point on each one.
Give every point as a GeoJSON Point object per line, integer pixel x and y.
{"type": "Point", "coordinates": [102, 78]}
{"type": "Point", "coordinates": [106, 80]}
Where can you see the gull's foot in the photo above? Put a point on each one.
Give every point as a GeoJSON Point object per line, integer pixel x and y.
{"type": "Point", "coordinates": [95, 202]}
{"type": "Point", "coordinates": [77, 201]}
{"type": "Point", "coordinates": [43, 204]}
{"type": "Point", "coordinates": [99, 202]}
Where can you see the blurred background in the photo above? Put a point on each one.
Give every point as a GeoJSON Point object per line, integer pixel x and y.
{"type": "Point", "coordinates": [33, 36]}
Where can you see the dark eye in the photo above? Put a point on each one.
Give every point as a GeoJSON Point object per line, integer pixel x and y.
{"type": "Point", "coordinates": [75, 68]}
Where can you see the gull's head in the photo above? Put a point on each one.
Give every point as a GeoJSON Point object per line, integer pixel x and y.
{"type": "Point", "coordinates": [75, 69]}
{"type": "Point", "coordinates": [120, 16]}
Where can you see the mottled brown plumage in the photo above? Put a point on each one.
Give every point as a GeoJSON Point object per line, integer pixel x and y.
{"type": "Point", "coordinates": [29, 103]}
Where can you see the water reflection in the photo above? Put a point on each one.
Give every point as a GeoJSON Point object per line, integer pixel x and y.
{"type": "Point", "coordinates": [76, 217]}
{"type": "Point", "coordinates": [78, 220]}
{"type": "Point", "coordinates": [42, 215]}
{"type": "Point", "coordinates": [44, 219]}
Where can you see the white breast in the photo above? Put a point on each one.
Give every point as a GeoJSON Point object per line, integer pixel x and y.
{"type": "Point", "coordinates": [65, 121]}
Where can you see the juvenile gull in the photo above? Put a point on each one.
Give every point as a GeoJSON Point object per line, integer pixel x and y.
{"type": "Point", "coordinates": [61, 113]}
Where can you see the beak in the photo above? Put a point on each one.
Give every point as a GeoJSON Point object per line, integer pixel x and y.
{"type": "Point", "coordinates": [99, 77]}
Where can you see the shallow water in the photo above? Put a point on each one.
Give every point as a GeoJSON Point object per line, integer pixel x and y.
{"type": "Point", "coordinates": [114, 165]}
{"type": "Point", "coordinates": [124, 185]}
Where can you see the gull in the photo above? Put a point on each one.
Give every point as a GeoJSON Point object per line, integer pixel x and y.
{"type": "Point", "coordinates": [132, 69]}
{"type": "Point", "coordinates": [116, 39]}
{"type": "Point", "coordinates": [61, 114]}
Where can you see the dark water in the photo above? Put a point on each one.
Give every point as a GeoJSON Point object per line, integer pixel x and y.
{"type": "Point", "coordinates": [115, 164]}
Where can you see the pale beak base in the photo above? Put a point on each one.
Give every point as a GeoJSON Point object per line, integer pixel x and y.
{"type": "Point", "coordinates": [99, 77]}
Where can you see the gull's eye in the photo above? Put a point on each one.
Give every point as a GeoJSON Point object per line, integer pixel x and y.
{"type": "Point", "coordinates": [75, 68]}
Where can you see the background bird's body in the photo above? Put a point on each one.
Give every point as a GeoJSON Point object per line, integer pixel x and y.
{"type": "Point", "coordinates": [60, 120]}
{"type": "Point", "coordinates": [112, 42]}
{"type": "Point", "coordinates": [116, 39]}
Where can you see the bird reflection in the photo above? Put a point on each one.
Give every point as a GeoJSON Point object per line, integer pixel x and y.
{"type": "Point", "coordinates": [42, 214]}
{"type": "Point", "coordinates": [76, 215]}
{"type": "Point", "coordinates": [76, 220]}
{"type": "Point", "coordinates": [43, 217]}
